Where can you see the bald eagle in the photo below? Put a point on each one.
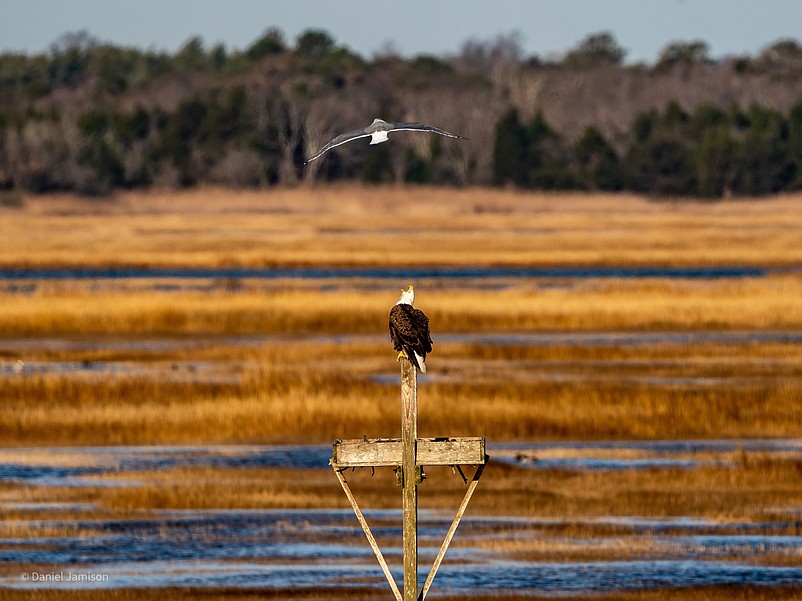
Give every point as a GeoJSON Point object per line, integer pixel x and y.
{"type": "Point", "coordinates": [409, 330]}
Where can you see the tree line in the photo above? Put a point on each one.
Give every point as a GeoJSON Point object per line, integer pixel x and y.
{"type": "Point", "coordinates": [710, 152]}
{"type": "Point", "coordinates": [93, 118]}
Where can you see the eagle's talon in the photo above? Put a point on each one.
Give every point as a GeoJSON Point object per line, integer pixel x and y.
{"type": "Point", "coordinates": [400, 354]}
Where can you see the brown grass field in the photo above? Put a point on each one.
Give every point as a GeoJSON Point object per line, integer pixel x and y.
{"type": "Point", "coordinates": [397, 226]}
{"type": "Point", "coordinates": [301, 391]}
{"type": "Point", "coordinates": [279, 390]}
{"type": "Point", "coordinates": [253, 361]}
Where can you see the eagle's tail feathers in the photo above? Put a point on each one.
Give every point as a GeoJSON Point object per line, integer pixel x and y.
{"type": "Point", "coordinates": [421, 361]}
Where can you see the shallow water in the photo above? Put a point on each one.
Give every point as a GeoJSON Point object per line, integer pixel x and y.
{"type": "Point", "coordinates": [326, 548]}
{"type": "Point", "coordinates": [86, 466]}
{"type": "Point", "coordinates": [490, 576]}
{"type": "Point", "coordinates": [17, 351]}
{"type": "Point", "coordinates": [618, 455]}
{"type": "Point", "coordinates": [298, 549]}
{"type": "Point", "coordinates": [591, 338]}
{"type": "Point", "coordinates": [394, 273]}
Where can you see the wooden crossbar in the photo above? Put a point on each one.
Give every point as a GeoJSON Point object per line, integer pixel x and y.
{"type": "Point", "coordinates": [388, 452]}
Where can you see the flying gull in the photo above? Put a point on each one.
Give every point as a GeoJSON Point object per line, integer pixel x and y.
{"type": "Point", "coordinates": [377, 132]}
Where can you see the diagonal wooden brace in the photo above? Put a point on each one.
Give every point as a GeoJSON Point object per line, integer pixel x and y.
{"type": "Point", "coordinates": [450, 534]}
{"type": "Point", "coordinates": [371, 540]}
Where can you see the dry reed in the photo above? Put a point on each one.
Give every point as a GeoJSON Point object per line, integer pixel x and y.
{"type": "Point", "coordinates": [759, 303]}
{"type": "Point", "coordinates": [317, 389]}
{"type": "Point", "coordinates": [368, 226]}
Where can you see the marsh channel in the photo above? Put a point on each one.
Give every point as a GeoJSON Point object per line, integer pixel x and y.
{"type": "Point", "coordinates": [301, 548]}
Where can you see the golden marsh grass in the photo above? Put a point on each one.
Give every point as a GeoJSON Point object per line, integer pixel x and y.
{"type": "Point", "coordinates": [396, 226]}
{"type": "Point", "coordinates": [312, 390]}
{"type": "Point", "coordinates": [750, 303]}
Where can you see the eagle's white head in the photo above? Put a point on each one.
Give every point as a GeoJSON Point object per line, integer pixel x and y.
{"type": "Point", "coordinates": [407, 296]}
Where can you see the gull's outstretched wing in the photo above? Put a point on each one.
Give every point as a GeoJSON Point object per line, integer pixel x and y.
{"type": "Point", "coordinates": [339, 141]}
{"type": "Point", "coordinates": [415, 126]}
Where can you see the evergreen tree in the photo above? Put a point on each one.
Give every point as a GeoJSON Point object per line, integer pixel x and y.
{"type": "Point", "coordinates": [377, 167]}
{"type": "Point", "coordinates": [180, 131]}
{"type": "Point", "coordinates": [191, 56]}
{"type": "Point", "coordinates": [597, 162]}
{"type": "Point", "coordinates": [314, 44]}
{"type": "Point", "coordinates": [795, 146]}
{"type": "Point", "coordinates": [661, 165]}
{"type": "Point", "coordinates": [684, 53]}
{"type": "Point", "coordinates": [596, 50]}
{"type": "Point", "coordinates": [547, 164]}
{"type": "Point", "coordinates": [660, 159]}
{"type": "Point", "coordinates": [271, 42]}
{"type": "Point", "coordinates": [509, 151]}
{"type": "Point", "coordinates": [716, 162]}
{"type": "Point", "coordinates": [764, 165]}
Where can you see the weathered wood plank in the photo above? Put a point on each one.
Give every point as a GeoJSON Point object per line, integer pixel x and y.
{"type": "Point", "coordinates": [381, 452]}
{"type": "Point", "coordinates": [452, 451]}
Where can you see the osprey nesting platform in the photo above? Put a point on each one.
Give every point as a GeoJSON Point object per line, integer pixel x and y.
{"type": "Point", "coordinates": [408, 455]}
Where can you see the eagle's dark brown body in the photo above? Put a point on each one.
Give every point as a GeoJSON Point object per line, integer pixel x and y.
{"type": "Point", "coordinates": [409, 332]}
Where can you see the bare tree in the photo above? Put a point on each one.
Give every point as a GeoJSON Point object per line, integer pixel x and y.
{"type": "Point", "coordinates": [43, 155]}
{"type": "Point", "coordinates": [468, 111]}
{"type": "Point", "coordinates": [290, 114]}
{"type": "Point", "coordinates": [496, 59]}
{"type": "Point", "coordinates": [327, 117]}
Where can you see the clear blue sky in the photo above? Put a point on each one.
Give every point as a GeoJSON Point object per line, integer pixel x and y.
{"type": "Point", "coordinates": [643, 27]}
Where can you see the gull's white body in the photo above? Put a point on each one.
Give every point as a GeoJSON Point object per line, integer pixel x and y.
{"type": "Point", "coordinates": [377, 137]}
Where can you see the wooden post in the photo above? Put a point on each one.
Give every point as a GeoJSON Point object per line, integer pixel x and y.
{"type": "Point", "coordinates": [409, 476]}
